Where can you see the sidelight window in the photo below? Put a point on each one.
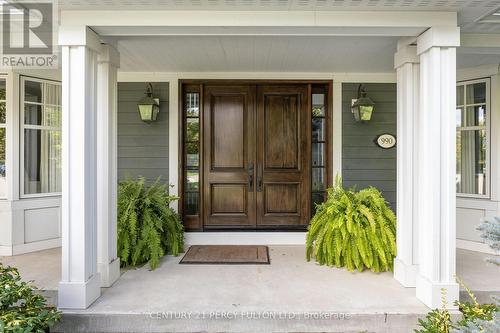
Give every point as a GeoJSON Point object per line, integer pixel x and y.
{"type": "Point", "coordinates": [472, 124]}
{"type": "Point", "coordinates": [318, 149]}
{"type": "Point", "coordinates": [192, 153]}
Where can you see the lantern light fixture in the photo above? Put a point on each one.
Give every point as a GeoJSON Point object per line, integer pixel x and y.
{"type": "Point", "coordinates": [362, 107]}
{"type": "Point", "coordinates": [148, 106]}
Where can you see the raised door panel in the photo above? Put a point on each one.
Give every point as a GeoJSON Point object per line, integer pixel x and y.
{"type": "Point", "coordinates": [229, 199]}
{"type": "Point", "coordinates": [281, 130]}
{"type": "Point", "coordinates": [228, 131]}
{"type": "Point", "coordinates": [282, 199]}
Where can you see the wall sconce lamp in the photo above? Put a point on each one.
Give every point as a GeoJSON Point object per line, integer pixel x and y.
{"type": "Point", "coordinates": [148, 106]}
{"type": "Point", "coordinates": [362, 107]}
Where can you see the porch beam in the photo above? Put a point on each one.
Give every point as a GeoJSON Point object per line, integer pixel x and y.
{"type": "Point", "coordinates": [406, 62]}
{"type": "Point", "coordinates": [229, 19]}
{"type": "Point", "coordinates": [80, 281]}
{"type": "Point", "coordinates": [117, 31]}
{"type": "Point", "coordinates": [435, 167]}
{"type": "Point", "coordinates": [480, 40]}
{"type": "Point", "coordinates": [108, 263]}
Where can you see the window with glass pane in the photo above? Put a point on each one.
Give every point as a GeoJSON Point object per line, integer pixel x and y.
{"type": "Point", "coordinates": [191, 153]}
{"type": "Point", "coordinates": [41, 137]}
{"type": "Point", "coordinates": [318, 137]}
{"type": "Point", "coordinates": [3, 134]}
{"type": "Point", "coordinates": [472, 137]}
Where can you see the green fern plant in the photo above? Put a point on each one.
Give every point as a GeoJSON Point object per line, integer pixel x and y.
{"type": "Point", "coordinates": [356, 230]}
{"type": "Point", "coordinates": [147, 227]}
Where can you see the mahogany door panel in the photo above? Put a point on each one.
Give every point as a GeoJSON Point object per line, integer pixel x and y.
{"type": "Point", "coordinates": [283, 150]}
{"type": "Point", "coordinates": [229, 154]}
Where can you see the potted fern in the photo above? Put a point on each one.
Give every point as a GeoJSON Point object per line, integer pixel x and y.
{"type": "Point", "coordinates": [147, 227]}
{"type": "Point", "coordinates": [352, 229]}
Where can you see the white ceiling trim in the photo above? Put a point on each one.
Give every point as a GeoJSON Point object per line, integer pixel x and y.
{"type": "Point", "coordinates": [327, 5]}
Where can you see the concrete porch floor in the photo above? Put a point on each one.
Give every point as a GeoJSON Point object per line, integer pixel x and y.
{"type": "Point", "coordinates": [302, 296]}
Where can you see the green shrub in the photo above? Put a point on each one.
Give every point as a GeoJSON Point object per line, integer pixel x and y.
{"type": "Point", "coordinates": [475, 317]}
{"type": "Point", "coordinates": [147, 227]}
{"type": "Point", "coordinates": [356, 230]}
{"type": "Point", "coordinates": [436, 321]}
{"type": "Point", "coordinates": [21, 308]}
{"type": "Point", "coordinates": [473, 312]}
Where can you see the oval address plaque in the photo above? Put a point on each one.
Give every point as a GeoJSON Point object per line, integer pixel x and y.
{"type": "Point", "coordinates": [385, 141]}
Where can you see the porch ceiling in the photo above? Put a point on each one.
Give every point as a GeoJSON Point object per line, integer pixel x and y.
{"type": "Point", "coordinates": [256, 53]}
{"type": "Point", "coordinates": [314, 54]}
{"type": "Point", "coordinates": [470, 12]}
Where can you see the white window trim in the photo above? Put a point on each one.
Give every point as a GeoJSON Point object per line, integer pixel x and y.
{"type": "Point", "coordinates": [488, 135]}
{"type": "Point", "coordinates": [23, 126]}
{"type": "Point", "coordinates": [4, 125]}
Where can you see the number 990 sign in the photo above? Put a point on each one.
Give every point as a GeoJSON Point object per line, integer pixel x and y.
{"type": "Point", "coordinates": [385, 141]}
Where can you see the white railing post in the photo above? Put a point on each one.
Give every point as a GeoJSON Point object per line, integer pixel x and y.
{"type": "Point", "coordinates": [80, 283]}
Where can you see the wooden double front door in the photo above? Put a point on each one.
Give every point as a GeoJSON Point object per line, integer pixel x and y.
{"type": "Point", "coordinates": [256, 156]}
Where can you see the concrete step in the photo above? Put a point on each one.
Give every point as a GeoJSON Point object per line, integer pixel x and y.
{"type": "Point", "coordinates": [164, 322]}
{"type": "Point", "coordinates": [482, 296]}
{"type": "Point", "coordinates": [316, 321]}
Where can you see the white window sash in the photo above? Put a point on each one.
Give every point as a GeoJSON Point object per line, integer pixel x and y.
{"type": "Point", "coordinates": [34, 127]}
{"type": "Point", "coordinates": [486, 127]}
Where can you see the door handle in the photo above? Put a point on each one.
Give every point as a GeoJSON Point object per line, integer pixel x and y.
{"type": "Point", "coordinates": [250, 177]}
{"type": "Point", "coordinates": [259, 178]}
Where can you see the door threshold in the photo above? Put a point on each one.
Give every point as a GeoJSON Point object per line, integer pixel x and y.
{"type": "Point", "coordinates": [246, 238]}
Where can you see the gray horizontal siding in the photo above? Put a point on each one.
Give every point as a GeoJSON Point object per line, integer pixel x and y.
{"type": "Point", "coordinates": [363, 162]}
{"type": "Point", "coordinates": [142, 147]}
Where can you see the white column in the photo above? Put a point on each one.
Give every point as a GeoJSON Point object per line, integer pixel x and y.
{"type": "Point", "coordinates": [407, 67]}
{"type": "Point", "coordinates": [435, 166]}
{"type": "Point", "coordinates": [108, 264]}
{"type": "Point", "coordinates": [80, 284]}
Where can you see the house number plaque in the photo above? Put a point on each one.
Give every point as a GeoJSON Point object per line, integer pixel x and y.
{"type": "Point", "coordinates": [385, 141]}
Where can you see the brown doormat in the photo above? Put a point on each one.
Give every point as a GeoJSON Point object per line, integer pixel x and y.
{"type": "Point", "coordinates": [226, 254]}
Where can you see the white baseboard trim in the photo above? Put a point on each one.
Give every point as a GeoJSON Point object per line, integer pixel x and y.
{"type": "Point", "coordinates": [79, 295]}
{"type": "Point", "coordinates": [110, 272]}
{"type": "Point", "coordinates": [245, 238]}
{"type": "Point", "coordinates": [5, 251]}
{"type": "Point", "coordinates": [430, 293]}
{"type": "Point", "coordinates": [405, 274]}
{"type": "Point", "coordinates": [36, 246]}
{"type": "Point", "coordinates": [474, 246]}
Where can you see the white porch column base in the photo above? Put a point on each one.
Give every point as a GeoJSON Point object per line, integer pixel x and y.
{"type": "Point", "coordinates": [406, 62]}
{"type": "Point", "coordinates": [79, 295]}
{"type": "Point", "coordinates": [110, 272]}
{"type": "Point", "coordinates": [107, 262]}
{"type": "Point", "coordinates": [435, 167]}
{"type": "Point", "coordinates": [433, 293]}
{"type": "Point", "coordinates": [404, 273]}
{"type": "Point", "coordinates": [80, 281]}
